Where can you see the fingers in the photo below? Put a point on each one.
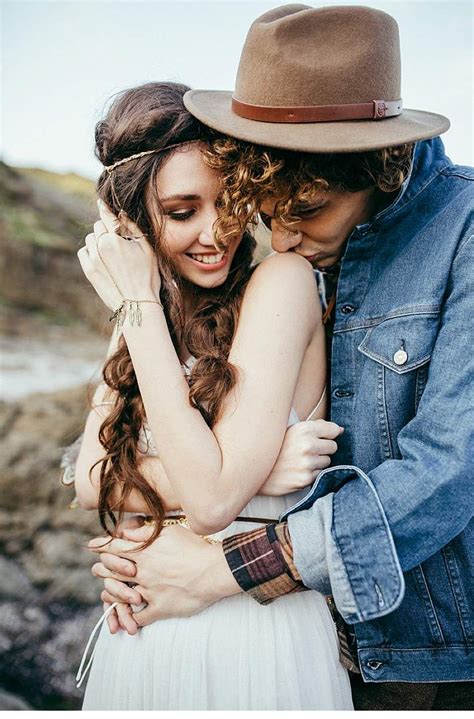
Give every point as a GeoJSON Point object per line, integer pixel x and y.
{"type": "Point", "coordinates": [128, 228]}
{"type": "Point", "coordinates": [113, 567]}
{"type": "Point", "coordinates": [125, 618]}
{"type": "Point", "coordinates": [321, 461]}
{"type": "Point", "coordinates": [99, 229]}
{"type": "Point", "coordinates": [121, 592]}
{"type": "Point", "coordinates": [111, 221]}
{"type": "Point", "coordinates": [85, 261]}
{"type": "Point", "coordinates": [106, 597]}
{"type": "Point", "coordinates": [120, 618]}
{"type": "Point", "coordinates": [91, 242]}
{"type": "Point", "coordinates": [112, 619]}
{"type": "Point", "coordinates": [326, 430]}
{"type": "Point", "coordinates": [89, 256]}
{"type": "Point", "coordinates": [138, 534]}
{"type": "Point", "coordinates": [120, 566]}
{"type": "Point", "coordinates": [146, 616]}
{"type": "Point", "coordinates": [325, 446]}
{"type": "Point", "coordinates": [116, 546]}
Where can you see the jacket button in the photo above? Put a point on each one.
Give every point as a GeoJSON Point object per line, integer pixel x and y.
{"type": "Point", "coordinates": [374, 664]}
{"type": "Point", "coordinates": [347, 309]}
{"type": "Point", "coordinates": [400, 357]}
{"type": "Point", "coordinates": [343, 393]}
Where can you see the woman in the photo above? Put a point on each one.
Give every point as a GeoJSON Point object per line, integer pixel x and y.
{"type": "Point", "coordinates": [210, 369]}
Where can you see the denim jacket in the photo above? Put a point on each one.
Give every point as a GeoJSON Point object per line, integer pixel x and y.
{"type": "Point", "coordinates": [389, 531]}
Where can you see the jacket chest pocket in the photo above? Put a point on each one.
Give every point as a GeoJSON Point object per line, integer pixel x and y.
{"type": "Point", "coordinates": [399, 350]}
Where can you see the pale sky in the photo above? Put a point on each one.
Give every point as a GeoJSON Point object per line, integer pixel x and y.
{"type": "Point", "coordinates": [63, 59]}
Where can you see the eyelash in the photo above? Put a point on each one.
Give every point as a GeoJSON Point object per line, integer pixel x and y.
{"type": "Point", "coordinates": [180, 216]}
{"type": "Point", "coordinates": [303, 214]}
{"type": "Point", "coordinates": [309, 212]}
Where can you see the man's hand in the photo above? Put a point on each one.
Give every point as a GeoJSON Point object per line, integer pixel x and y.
{"type": "Point", "coordinates": [180, 574]}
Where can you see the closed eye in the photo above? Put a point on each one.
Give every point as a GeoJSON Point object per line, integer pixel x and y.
{"type": "Point", "coordinates": [306, 212]}
{"type": "Point", "coordinates": [180, 216]}
{"type": "Point", "coordinates": [299, 212]}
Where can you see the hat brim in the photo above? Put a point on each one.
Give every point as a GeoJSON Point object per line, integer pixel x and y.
{"type": "Point", "coordinates": [213, 108]}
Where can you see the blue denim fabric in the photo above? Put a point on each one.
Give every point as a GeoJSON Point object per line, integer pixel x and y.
{"type": "Point", "coordinates": [392, 523]}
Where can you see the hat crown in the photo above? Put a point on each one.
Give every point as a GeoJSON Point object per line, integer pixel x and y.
{"type": "Point", "coordinates": [296, 55]}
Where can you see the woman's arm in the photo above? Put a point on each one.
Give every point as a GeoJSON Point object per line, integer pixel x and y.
{"type": "Point", "coordinates": [215, 473]}
{"type": "Point", "coordinates": [87, 485]}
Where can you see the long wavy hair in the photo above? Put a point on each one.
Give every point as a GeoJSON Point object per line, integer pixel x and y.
{"type": "Point", "coordinates": [153, 117]}
{"type": "Point", "coordinates": [253, 173]}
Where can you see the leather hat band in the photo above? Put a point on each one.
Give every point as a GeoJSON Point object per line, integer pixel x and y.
{"type": "Point", "coordinates": [375, 110]}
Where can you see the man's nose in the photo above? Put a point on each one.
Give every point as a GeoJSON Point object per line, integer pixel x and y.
{"type": "Point", "coordinates": [284, 239]}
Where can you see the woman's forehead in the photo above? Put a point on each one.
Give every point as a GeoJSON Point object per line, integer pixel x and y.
{"type": "Point", "coordinates": [185, 173]}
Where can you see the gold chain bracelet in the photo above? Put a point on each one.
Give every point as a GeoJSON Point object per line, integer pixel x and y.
{"type": "Point", "coordinates": [182, 522]}
{"type": "Point", "coordinates": [133, 312]}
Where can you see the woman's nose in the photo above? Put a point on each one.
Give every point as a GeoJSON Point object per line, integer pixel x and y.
{"type": "Point", "coordinates": [284, 239]}
{"type": "Point", "coordinates": [206, 236]}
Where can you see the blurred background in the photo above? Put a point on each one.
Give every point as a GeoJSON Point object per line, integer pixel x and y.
{"type": "Point", "coordinates": [61, 62]}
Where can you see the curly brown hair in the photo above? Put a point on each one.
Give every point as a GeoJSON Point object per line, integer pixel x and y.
{"type": "Point", "coordinates": [153, 116]}
{"type": "Point", "coordinates": [253, 173]}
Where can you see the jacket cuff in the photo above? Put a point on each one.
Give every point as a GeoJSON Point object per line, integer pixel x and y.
{"type": "Point", "coordinates": [308, 533]}
{"type": "Point", "coordinates": [348, 553]}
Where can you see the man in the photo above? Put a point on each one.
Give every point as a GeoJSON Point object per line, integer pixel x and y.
{"type": "Point", "coordinates": [387, 531]}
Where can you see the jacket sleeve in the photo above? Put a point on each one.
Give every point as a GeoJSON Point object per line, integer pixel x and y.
{"type": "Point", "coordinates": [393, 518]}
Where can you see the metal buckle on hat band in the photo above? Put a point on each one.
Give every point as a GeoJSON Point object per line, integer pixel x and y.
{"type": "Point", "coordinates": [374, 110]}
{"type": "Point", "coordinates": [384, 109]}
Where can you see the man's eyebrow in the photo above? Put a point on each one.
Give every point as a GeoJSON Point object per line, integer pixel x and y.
{"type": "Point", "coordinates": [180, 197]}
{"type": "Point", "coordinates": [320, 202]}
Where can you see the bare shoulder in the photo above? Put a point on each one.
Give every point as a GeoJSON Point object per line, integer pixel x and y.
{"type": "Point", "coordinates": [281, 289]}
{"type": "Point", "coordinates": [285, 263]}
{"type": "Point", "coordinates": [286, 275]}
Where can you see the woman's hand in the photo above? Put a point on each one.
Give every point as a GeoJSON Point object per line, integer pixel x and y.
{"type": "Point", "coordinates": [178, 575]}
{"type": "Point", "coordinates": [116, 267]}
{"type": "Point", "coordinates": [306, 450]}
{"type": "Point", "coordinates": [122, 616]}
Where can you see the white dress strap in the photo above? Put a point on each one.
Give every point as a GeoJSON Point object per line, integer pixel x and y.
{"type": "Point", "coordinates": [80, 673]}
{"type": "Point", "coordinates": [313, 411]}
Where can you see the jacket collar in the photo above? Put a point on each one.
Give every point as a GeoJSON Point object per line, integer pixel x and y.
{"type": "Point", "coordinates": [429, 159]}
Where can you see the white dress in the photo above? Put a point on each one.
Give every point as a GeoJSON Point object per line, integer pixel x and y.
{"type": "Point", "coordinates": [235, 655]}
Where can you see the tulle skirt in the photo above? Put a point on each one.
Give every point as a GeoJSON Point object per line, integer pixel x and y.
{"type": "Point", "coordinates": [235, 655]}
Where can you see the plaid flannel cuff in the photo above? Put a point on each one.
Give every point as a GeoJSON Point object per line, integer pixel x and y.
{"type": "Point", "coordinates": [262, 562]}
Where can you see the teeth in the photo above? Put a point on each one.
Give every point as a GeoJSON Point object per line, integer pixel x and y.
{"type": "Point", "coordinates": [208, 259]}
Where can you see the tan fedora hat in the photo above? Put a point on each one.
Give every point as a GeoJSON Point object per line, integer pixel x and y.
{"type": "Point", "coordinates": [318, 80]}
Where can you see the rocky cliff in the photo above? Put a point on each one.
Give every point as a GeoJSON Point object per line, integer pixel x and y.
{"type": "Point", "coordinates": [44, 218]}
{"type": "Point", "coordinates": [49, 601]}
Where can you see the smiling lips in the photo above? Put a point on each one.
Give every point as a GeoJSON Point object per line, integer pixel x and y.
{"type": "Point", "coordinates": [210, 261]}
